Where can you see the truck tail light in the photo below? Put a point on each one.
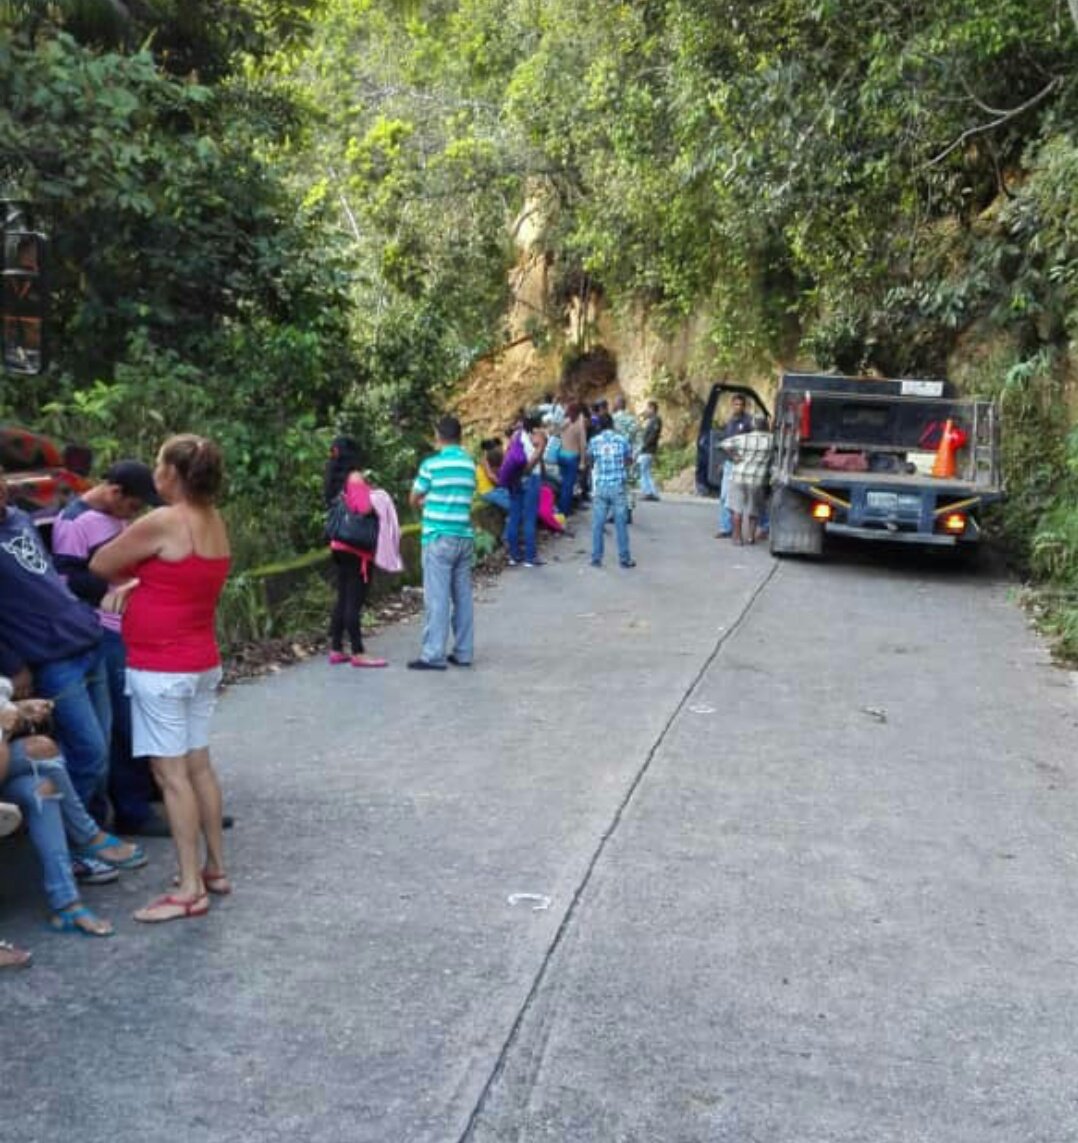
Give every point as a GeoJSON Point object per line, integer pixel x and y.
{"type": "Point", "coordinates": [954, 523]}
{"type": "Point", "coordinates": [822, 512]}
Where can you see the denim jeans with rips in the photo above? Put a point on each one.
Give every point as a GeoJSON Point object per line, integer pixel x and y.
{"type": "Point", "coordinates": [50, 818]}
{"type": "Point", "coordinates": [447, 599]}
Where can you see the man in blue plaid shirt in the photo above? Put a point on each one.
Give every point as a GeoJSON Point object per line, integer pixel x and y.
{"type": "Point", "coordinates": [611, 455]}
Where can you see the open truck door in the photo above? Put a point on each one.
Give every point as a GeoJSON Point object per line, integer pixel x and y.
{"type": "Point", "coordinates": [709, 456]}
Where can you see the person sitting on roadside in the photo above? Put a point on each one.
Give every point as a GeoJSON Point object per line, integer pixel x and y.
{"type": "Point", "coordinates": [50, 646]}
{"type": "Point", "coordinates": [86, 523]}
{"type": "Point", "coordinates": [171, 566]}
{"type": "Point", "coordinates": [751, 457]}
{"type": "Point", "coordinates": [491, 456]}
{"type": "Point", "coordinates": [33, 775]}
{"type": "Point", "coordinates": [353, 566]}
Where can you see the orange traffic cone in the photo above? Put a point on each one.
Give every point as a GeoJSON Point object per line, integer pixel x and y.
{"type": "Point", "coordinates": [945, 463]}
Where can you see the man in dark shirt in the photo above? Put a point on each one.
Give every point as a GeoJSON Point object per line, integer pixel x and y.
{"type": "Point", "coordinates": [649, 448]}
{"type": "Point", "coordinates": [50, 646]}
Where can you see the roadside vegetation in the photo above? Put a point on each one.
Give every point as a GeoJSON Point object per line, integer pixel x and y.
{"type": "Point", "coordinates": [272, 219]}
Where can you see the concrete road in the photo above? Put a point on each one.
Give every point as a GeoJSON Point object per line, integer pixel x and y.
{"type": "Point", "coordinates": [799, 845]}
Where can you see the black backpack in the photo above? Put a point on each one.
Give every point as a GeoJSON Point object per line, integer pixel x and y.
{"type": "Point", "coordinates": [351, 528]}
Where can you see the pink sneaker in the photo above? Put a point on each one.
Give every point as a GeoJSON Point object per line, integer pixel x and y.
{"type": "Point", "coordinates": [336, 657]}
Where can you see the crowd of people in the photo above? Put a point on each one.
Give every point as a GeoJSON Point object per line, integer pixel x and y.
{"type": "Point", "coordinates": [109, 665]}
{"type": "Point", "coordinates": [552, 460]}
{"type": "Point", "coordinates": [98, 711]}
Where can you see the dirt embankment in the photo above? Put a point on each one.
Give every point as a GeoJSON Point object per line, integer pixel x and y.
{"type": "Point", "coordinates": [574, 343]}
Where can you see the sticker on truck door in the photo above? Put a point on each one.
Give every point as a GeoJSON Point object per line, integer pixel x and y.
{"type": "Point", "coordinates": [922, 388]}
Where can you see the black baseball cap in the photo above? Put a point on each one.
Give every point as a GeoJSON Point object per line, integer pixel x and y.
{"type": "Point", "coordinates": [134, 479]}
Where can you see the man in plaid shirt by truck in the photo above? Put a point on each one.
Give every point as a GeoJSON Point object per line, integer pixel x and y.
{"type": "Point", "coordinates": [751, 455]}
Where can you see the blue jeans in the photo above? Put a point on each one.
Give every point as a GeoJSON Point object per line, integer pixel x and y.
{"type": "Point", "coordinates": [447, 598]}
{"type": "Point", "coordinates": [569, 467]}
{"type": "Point", "coordinates": [726, 517]}
{"type": "Point", "coordinates": [499, 497]}
{"type": "Point", "coordinates": [607, 500]}
{"type": "Point", "coordinates": [523, 512]}
{"type": "Point", "coordinates": [82, 716]}
{"type": "Point", "coordinates": [130, 786]}
{"type": "Point", "coordinates": [50, 818]}
{"type": "Point", "coordinates": [647, 483]}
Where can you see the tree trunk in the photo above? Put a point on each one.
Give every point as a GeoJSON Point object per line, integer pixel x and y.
{"type": "Point", "coordinates": [1073, 6]}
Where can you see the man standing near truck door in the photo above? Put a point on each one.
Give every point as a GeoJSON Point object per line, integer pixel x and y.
{"type": "Point", "coordinates": [739, 422]}
{"type": "Point", "coordinates": [751, 455]}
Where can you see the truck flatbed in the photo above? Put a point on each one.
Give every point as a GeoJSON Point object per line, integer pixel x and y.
{"type": "Point", "coordinates": [888, 425]}
{"type": "Point", "coordinates": [896, 480]}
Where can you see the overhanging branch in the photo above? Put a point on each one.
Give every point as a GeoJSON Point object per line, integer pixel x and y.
{"type": "Point", "coordinates": [1002, 116]}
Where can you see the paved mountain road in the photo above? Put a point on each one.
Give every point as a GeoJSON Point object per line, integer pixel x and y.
{"type": "Point", "coordinates": [808, 834]}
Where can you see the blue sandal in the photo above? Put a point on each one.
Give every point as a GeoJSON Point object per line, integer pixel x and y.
{"type": "Point", "coordinates": [67, 921]}
{"type": "Point", "coordinates": [136, 861]}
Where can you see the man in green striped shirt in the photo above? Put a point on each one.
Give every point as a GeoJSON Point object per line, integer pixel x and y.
{"type": "Point", "coordinates": [444, 487]}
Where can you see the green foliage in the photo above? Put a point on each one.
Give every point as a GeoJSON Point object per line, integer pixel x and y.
{"type": "Point", "coordinates": [276, 219]}
{"type": "Point", "coordinates": [186, 292]}
{"type": "Point", "coordinates": [486, 544]}
{"type": "Point", "coordinates": [672, 462]}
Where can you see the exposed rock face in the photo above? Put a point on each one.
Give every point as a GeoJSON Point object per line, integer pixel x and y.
{"type": "Point", "coordinates": [586, 348]}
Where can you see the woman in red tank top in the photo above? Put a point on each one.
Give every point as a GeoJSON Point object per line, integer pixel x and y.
{"type": "Point", "coordinates": [170, 567]}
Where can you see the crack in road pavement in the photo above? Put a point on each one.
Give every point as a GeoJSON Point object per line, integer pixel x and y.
{"type": "Point", "coordinates": [502, 1059]}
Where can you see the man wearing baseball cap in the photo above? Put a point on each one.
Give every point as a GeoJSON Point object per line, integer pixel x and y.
{"type": "Point", "coordinates": [93, 519]}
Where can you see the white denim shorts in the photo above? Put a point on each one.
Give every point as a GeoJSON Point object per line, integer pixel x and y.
{"type": "Point", "coordinates": [170, 711]}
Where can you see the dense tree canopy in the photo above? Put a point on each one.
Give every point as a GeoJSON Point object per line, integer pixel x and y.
{"type": "Point", "coordinates": [287, 214]}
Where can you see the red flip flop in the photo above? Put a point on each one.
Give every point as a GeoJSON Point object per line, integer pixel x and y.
{"type": "Point", "coordinates": [358, 661]}
{"type": "Point", "coordinates": [198, 907]}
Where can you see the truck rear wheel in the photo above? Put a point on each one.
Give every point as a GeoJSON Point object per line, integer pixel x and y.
{"type": "Point", "coordinates": [793, 530]}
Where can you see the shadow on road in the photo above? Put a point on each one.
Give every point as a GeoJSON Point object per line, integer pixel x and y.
{"type": "Point", "coordinates": [986, 562]}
